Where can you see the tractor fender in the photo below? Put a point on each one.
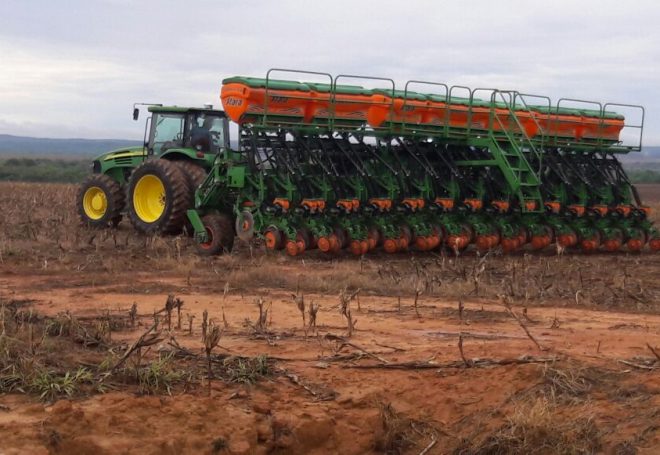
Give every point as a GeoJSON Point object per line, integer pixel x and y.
{"type": "Point", "coordinates": [204, 160]}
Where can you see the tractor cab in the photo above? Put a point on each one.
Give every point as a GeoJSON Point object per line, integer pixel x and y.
{"type": "Point", "coordinates": [194, 132]}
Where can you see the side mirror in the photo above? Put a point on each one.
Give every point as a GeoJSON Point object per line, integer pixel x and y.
{"type": "Point", "coordinates": [136, 113]}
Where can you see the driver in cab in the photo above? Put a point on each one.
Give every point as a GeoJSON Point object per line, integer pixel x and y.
{"type": "Point", "coordinates": [200, 134]}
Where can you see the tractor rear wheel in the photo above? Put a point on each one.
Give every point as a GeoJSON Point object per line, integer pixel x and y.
{"type": "Point", "coordinates": [220, 232]}
{"type": "Point", "coordinates": [100, 201]}
{"type": "Point", "coordinates": [195, 175]}
{"type": "Point", "coordinates": [158, 197]}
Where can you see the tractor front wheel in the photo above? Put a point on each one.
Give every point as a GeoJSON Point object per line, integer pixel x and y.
{"type": "Point", "coordinates": [158, 197]}
{"type": "Point", "coordinates": [220, 235]}
{"type": "Point", "coordinates": [100, 201]}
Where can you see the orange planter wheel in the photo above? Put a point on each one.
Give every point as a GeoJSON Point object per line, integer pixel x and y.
{"type": "Point", "coordinates": [364, 246]}
{"type": "Point", "coordinates": [453, 242]}
{"type": "Point", "coordinates": [422, 243]}
{"type": "Point", "coordinates": [274, 239]}
{"type": "Point", "coordinates": [335, 246]}
{"type": "Point", "coordinates": [323, 244]}
{"type": "Point", "coordinates": [435, 241]}
{"type": "Point", "coordinates": [390, 246]}
{"type": "Point", "coordinates": [355, 247]}
{"type": "Point", "coordinates": [483, 242]}
{"type": "Point", "coordinates": [589, 245]}
{"type": "Point", "coordinates": [540, 241]}
{"type": "Point", "coordinates": [612, 244]}
{"type": "Point", "coordinates": [465, 241]}
{"type": "Point", "coordinates": [634, 244]}
{"type": "Point", "coordinates": [566, 240]}
{"type": "Point", "coordinates": [292, 248]}
{"type": "Point", "coordinates": [655, 244]}
{"type": "Point", "coordinates": [509, 244]}
{"type": "Point", "coordinates": [270, 240]}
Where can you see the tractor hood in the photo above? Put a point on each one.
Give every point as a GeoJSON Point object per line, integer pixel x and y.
{"type": "Point", "coordinates": [124, 152]}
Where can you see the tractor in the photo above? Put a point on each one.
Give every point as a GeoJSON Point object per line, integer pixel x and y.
{"type": "Point", "coordinates": [154, 184]}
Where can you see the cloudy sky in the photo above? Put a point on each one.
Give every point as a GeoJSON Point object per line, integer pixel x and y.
{"type": "Point", "coordinates": [75, 68]}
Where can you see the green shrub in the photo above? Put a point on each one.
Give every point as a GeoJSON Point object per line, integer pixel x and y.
{"type": "Point", "coordinates": [43, 170]}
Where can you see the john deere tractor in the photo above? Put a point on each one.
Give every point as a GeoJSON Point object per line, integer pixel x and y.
{"type": "Point", "coordinates": [154, 184]}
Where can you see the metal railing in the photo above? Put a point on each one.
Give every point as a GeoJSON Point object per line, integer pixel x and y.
{"type": "Point", "coordinates": [513, 101]}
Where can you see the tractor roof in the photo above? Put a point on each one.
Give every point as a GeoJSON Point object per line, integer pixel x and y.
{"type": "Point", "coordinates": [182, 109]}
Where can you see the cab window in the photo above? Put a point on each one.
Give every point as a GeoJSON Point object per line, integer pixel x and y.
{"type": "Point", "coordinates": [167, 132]}
{"type": "Point", "coordinates": [207, 133]}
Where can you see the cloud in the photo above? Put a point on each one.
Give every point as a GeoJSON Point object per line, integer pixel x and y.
{"type": "Point", "coordinates": [79, 66]}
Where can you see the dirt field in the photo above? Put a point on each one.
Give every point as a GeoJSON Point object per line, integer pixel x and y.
{"type": "Point", "coordinates": [434, 354]}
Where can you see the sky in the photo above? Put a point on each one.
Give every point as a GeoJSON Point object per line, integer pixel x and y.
{"type": "Point", "coordinates": [75, 68]}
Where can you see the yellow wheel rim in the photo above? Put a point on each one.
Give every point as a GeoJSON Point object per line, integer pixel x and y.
{"type": "Point", "coordinates": [95, 203]}
{"type": "Point", "coordinates": [149, 198]}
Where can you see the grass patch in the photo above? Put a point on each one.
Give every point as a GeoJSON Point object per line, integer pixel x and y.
{"type": "Point", "coordinates": [50, 385]}
{"type": "Point", "coordinates": [537, 428]}
{"type": "Point", "coordinates": [160, 376]}
{"type": "Point", "coordinates": [246, 370]}
{"type": "Point", "coordinates": [569, 384]}
{"type": "Point", "coordinates": [42, 356]}
{"type": "Point", "coordinates": [399, 433]}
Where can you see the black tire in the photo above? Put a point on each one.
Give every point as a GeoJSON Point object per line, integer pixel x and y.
{"type": "Point", "coordinates": [279, 239]}
{"type": "Point", "coordinates": [306, 236]}
{"type": "Point", "coordinates": [219, 228]}
{"type": "Point", "coordinates": [114, 201]}
{"type": "Point", "coordinates": [342, 237]}
{"type": "Point", "coordinates": [195, 175]}
{"type": "Point", "coordinates": [244, 226]}
{"type": "Point", "coordinates": [176, 201]}
{"type": "Point", "coordinates": [408, 234]}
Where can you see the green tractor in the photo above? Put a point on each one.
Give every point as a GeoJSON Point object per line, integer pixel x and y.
{"type": "Point", "coordinates": [154, 185]}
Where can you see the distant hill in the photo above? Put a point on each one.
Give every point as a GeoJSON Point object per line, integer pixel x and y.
{"type": "Point", "coordinates": [647, 160]}
{"type": "Point", "coordinates": [652, 151]}
{"type": "Point", "coordinates": [47, 147]}
{"type": "Point", "coordinates": [648, 153]}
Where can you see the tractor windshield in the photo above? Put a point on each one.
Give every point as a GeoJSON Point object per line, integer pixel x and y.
{"type": "Point", "coordinates": [167, 132]}
{"type": "Point", "coordinates": [206, 132]}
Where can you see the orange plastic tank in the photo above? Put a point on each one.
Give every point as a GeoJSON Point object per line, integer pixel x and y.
{"type": "Point", "coordinates": [245, 99]}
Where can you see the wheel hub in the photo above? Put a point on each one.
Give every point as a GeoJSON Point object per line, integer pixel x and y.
{"type": "Point", "coordinates": [149, 198]}
{"type": "Point", "coordinates": [95, 203]}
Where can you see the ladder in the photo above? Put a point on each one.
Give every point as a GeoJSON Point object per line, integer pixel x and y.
{"type": "Point", "coordinates": [513, 149]}
{"type": "Point", "coordinates": [523, 181]}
